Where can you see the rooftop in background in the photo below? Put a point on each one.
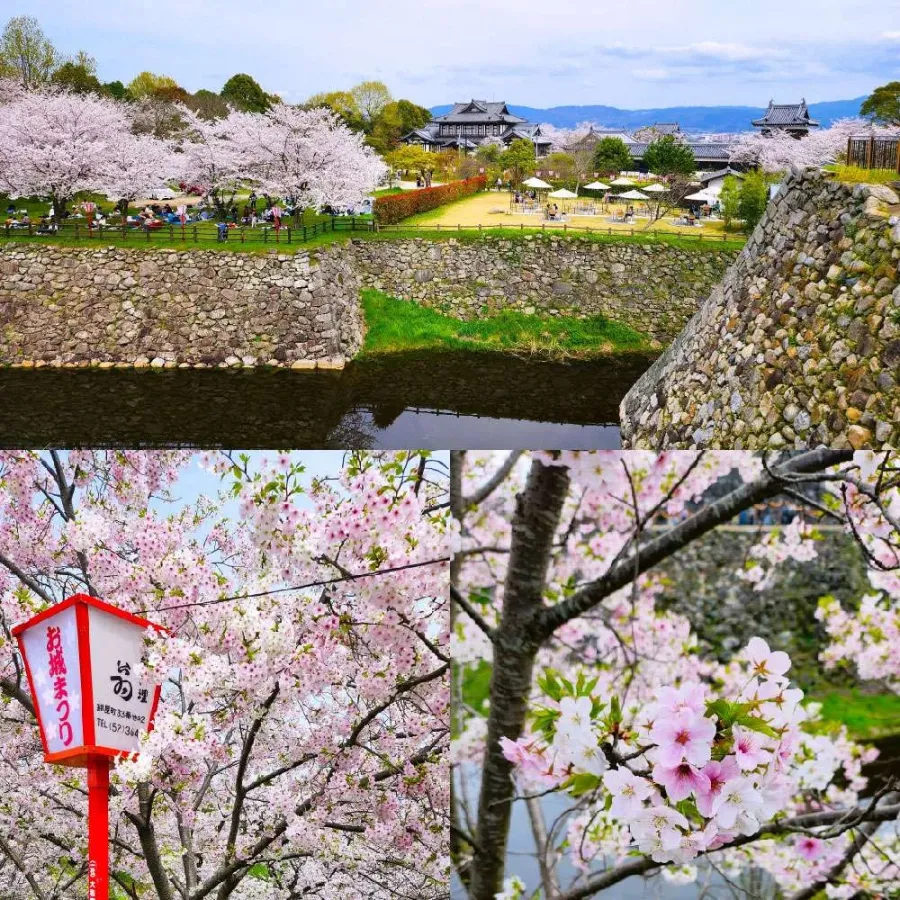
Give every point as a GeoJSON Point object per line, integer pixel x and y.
{"type": "Point", "coordinates": [470, 124]}
{"type": "Point", "coordinates": [476, 111]}
{"type": "Point", "coordinates": [790, 117]}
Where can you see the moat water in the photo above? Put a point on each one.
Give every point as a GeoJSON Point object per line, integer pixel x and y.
{"type": "Point", "coordinates": [426, 400]}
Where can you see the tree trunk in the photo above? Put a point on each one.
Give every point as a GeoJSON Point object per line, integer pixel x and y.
{"type": "Point", "coordinates": [59, 208]}
{"type": "Point", "coordinates": [538, 510]}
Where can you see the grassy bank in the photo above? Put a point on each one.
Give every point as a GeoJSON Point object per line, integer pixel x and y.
{"type": "Point", "coordinates": [866, 715]}
{"type": "Point", "coordinates": [857, 175]}
{"type": "Point", "coordinates": [396, 326]}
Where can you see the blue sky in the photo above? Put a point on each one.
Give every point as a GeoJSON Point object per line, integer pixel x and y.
{"type": "Point", "coordinates": [636, 54]}
{"type": "Point", "coordinates": [195, 481]}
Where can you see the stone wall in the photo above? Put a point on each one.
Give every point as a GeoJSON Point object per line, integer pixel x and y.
{"type": "Point", "coordinates": [654, 288]}
{"type": "Point", "coordinates": [726, 611]}
{"type": "Point", "coordinates": [799, 345]}
{"type": "Point", "coordinates": [66, 306]}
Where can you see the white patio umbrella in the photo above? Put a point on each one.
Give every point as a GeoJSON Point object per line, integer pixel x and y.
{"type": "Point", "coordinates": [656, 189]}
{"type": "Point", "coordinates": [622, 182]}
{"type": "Point", "coordinates": [563, 194]}
{"type": "Point", "coordinates": [700, 197]}
{"type": "Point", "coordinates": [537, 184]}
{"type": "Point", "coordinates": [596, 186]}
{"type": "Point", "coordinates": [632, 195]}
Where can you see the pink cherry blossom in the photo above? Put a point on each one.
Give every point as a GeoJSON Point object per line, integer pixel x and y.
{"type": "Point", "coordinates": [629, 791]}
{"type": "Point", "coordinates": [648, 658]}
{"type": "Point", "coordinates": [810, 848]}
{"type": "Point", "coordinates": [681, 781]}
{"type": "Point", "coordinates": [764, 662]}
{"type": "Point", "coordinates": [718, 775]}
{"type": "Point", "coordinates": [337, 701]}
{"type": "Point", "coordinates": [690, 697]}
{"type": "Point", "coordinates": [659, 822]}
{"type": "Point", "coordinates": [737, 805]}
{"type": "Point", "coordinates": [684, 736]}
{"type": "Point", "coordinates": [748, 748]}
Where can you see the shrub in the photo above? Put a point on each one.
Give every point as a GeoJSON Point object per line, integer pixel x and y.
{"type": "Point", "coordinates": [393, 208]}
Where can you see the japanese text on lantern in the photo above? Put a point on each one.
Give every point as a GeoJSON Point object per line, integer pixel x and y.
{"type": "Point", "coordinates": [57, 672]}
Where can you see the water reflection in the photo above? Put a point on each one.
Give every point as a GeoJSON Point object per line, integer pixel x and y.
{"type": "Point", "coordinates": [418, 399]}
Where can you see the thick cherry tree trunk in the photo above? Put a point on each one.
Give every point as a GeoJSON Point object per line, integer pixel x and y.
{"type": "Point", "coordinates": [537, 517]}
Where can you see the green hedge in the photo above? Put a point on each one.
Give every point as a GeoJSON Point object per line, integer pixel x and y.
{"type": "Point", "coordinates": [394, 208]}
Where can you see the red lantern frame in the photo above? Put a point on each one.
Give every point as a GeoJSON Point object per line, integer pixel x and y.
{"type": "Point", "coordinates": [78, 756]}
{"type": "Point", "coordinates": [97, 759]}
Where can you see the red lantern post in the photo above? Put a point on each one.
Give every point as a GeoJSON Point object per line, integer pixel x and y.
{"type": "Point", "coordinates": [81, 658]}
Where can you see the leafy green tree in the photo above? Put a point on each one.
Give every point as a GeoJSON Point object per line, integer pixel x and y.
{"type": "Point", "coordinates": [666, 156]}
{"type": "Point", "coordinates": [147, 83]}
{"type": "Point", "coordinates": [27, 53]}
{"type": "Point", "coordinates": [562, 165]}
{"type": "Point", "coordinates": [611, 155]}
{"type": "Point", "coordinates": [730, 200]}
{"type": "Point", "coordinates": [883, 104]}
{"type": "Point", "coordinates": [207, 104]}
{"type": "Point", "coordinates": [371, 98]}
{"type": "Point", "coordinates": [243, 92]}
{"type": "Point", "coordinates": [489, 153]}
{"type": "Point", "coordinates": [116, 90]}
{"type": "Point", "coordinates": [754, 198]}
{"type": "Point", "coordinates": [519, 160]}
{"type": "Point", "coordinates": [76, 78]}
{"type": "Point", "coordinates": [342, 103]}
{"type": "Point", "coordinates": [412, 159]}
{"type": "Point", "coordinates": [394, 121]}
{"type": "Point", "coordinates": [412, 115]}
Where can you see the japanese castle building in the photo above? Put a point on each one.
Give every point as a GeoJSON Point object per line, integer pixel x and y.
{"type": "Point", "coordinates": [469, 124]}
{"type": "Point", "coordinates": [792, 118]}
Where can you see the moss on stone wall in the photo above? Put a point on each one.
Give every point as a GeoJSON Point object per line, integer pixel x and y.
{"type": "Point", "coordinates": [799, 345]}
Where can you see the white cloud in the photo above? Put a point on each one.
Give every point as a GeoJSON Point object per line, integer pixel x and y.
{"type": "Point", "coordinates": [644, 53]}
{"type": "Point", "coordinates": [651, 74]}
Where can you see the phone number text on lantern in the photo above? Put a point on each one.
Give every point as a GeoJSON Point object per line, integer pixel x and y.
{"type": "Point", "coordinates": [118, 727]}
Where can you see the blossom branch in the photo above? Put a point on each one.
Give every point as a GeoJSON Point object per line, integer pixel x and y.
{"type": "Point", "coordinates": [644, 557]}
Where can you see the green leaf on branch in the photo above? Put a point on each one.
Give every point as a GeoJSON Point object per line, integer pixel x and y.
{"type": "Point", "coordinates": [583, 783]}
{"type": "Point", "coordinates": [727, 713]}
{"type": "Point", "coordinates": [545, 720]}
{"type": "Point", "coordinates": [549, 683]}
{"type": "Point", "coordinates": [754, 723]}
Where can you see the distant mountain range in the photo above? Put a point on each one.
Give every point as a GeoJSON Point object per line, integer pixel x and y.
{"type": "Point", "coordinates": [691, 118]}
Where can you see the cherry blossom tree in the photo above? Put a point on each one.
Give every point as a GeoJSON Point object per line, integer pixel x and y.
{"type": "Point", "coordinates": [309, 155]}
{"type": "Point", "coordinates": [138, 164]}
{"type": "Point", "coordinates": [300, 745]}
{"type": "Point", "coordinates": [211, 158]}
{"type": "Point", "coordinates": [10, 89]}
{"type": "Point", "coordinates": [779, 152]}
{"type": "Point", "coordinates": [596, 694]}
{"type": "Point", "coordinates": [55, 144]}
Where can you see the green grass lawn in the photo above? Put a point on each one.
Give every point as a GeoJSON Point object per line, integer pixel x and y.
{"type": "Point", "coordinates": [857, 175]}
{"type": "Point", "coordinates": [398, 325]}
{"type": "Point", "coordinates": [865, 715]}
